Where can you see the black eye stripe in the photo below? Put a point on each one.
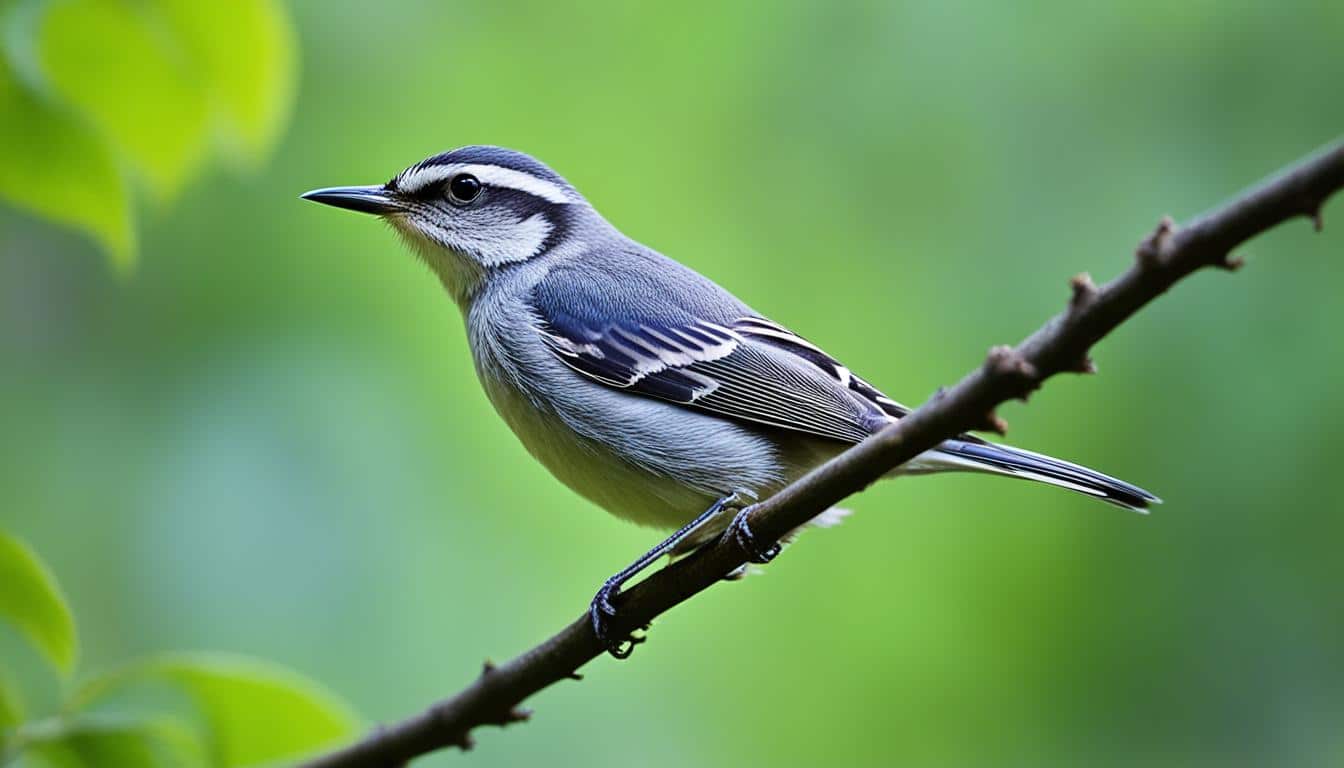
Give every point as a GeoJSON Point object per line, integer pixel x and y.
{"type": "Point", "coordinates": [520, 204]}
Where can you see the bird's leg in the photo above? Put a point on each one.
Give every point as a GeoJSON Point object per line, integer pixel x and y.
{"type": "Point", "coordinates": [745, 539]}
{"type": "Point", "coordinates": [603, 607]}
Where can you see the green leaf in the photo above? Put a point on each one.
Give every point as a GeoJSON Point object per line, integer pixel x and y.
{"type": "Point", "coordinates": [54, 166]}
{"type": "Point", "coordinates": [32, 602]}
{"type": "Point", "coordinates": [243, 700]}
{"type": "Point", "coordinates": [102, 742]}
{"type": "Point", "coordinates": [244, 53]}
{"type": "Point", "coordinates": [253, 712]}
{"type": "Point", "coordinates": [114, 63]}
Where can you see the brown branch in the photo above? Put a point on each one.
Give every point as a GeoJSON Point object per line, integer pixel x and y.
{"type": "Point", "coordinates": [1164, 257]}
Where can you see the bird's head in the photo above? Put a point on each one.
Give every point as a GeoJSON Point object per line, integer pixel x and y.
{"type": "Point", "coordinates": [471, 211]}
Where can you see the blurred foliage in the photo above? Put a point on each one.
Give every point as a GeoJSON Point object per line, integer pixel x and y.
{"type": "Point", "coordinates": [42, 150]}
{"type": "Point", "coordinates": [95, 91]}
{"type": "Point", "coordinates": [240, 712]}
{"type": "Point", "coordinates": [32, 602]}
{"type": "Point", "coordinates": [97, 741]}
{"type": "Point", "coordinates": [269, 437]}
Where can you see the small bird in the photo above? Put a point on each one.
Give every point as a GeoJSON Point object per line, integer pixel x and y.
{"type": "Point", "coordinates": [639, 383]}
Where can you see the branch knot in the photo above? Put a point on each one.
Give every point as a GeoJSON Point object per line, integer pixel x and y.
{"type": "Point", "coordinates": [1005, 362]}
{"type": "Point", "coordinates": [994, 423]}
{"type": "Point", "coordinates": [1084, 291]}
{"type": "Point", "coordinates": [1007, 368]}
{"type": "Point", "coordinates": [1152, 249]}
{"type": "Point", "coordinates": [1313, 212]}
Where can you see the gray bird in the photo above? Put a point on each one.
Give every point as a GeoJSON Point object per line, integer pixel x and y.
{"type": "Point", "coordinates": [636, 381]}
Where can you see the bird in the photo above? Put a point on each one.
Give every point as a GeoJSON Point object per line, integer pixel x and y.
{"type": "Point", "coordinates": [636, 381]}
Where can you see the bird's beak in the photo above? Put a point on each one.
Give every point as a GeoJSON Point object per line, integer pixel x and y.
{"type": "Point", "coordinates": [363, 199]}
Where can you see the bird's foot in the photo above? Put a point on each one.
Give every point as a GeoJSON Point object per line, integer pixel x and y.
{"type": "Point", "coordinates": [741, 532]}
{"type": "Point", "coordinates": [602, 611]}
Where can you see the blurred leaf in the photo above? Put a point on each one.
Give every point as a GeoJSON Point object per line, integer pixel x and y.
{"type": "Point", "coordinates": [149, 79]}
{"type": "Point", "coordinates": [11, 704]}
{"type": "Point", "coordinates": [107, 743]}
{"type": "Point", "coordinates": [32, 602]}
{"type": "Point", "coordinates": [53, 165]}
{"type": "Point", "coordinates": [241, 701]}
{"type": "Point", "coordinates": [115, 65]}
{"type": "Point", "coordinates": [250, 94]}
{"type": "Point", "coordinates": [11, 709]}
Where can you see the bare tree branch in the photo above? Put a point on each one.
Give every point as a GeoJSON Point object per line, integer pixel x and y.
{"type": "Point", "coordinates": [1164, 257]}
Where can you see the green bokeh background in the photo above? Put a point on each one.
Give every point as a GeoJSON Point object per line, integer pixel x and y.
{"type": "Point", "coordinates": [268, 437]}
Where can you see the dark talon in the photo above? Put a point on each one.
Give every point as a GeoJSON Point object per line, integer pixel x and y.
{"type": "Point", "coordinates": [604, 599]}
{"type": "Point", "coordinates": [747, 540]}
{"type": "Point", "coordinates": [624, 648]}
{"type": "Point", "coordinates": [602, 610]}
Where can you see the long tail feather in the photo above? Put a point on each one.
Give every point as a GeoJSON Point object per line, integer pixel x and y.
{"type": "Point", "coordinates": [1015, 462]}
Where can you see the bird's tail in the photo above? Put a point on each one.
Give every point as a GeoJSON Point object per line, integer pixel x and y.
{"type": "Point", "coordinates": [997, 459]}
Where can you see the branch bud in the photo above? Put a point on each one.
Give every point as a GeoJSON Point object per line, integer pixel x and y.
{"type": "Point", "coordinates": [994, 423]}
{"type": "Point", "coordinates": [1007, 363]}
{"type": "Point", "coordinates": [1149, 252]}
{"type": "Point", "coordinates": [1084, 290]}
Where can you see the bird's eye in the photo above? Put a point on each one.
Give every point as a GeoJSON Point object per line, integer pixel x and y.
{"type": "Point", "coordinates": [463, 188]}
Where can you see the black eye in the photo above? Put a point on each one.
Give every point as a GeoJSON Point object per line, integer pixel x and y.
{"type": "Point", "coordinates": [463, 188]}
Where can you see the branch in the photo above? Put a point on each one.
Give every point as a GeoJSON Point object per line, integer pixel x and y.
{"type": "Point", "coordinates": [1164, 257]}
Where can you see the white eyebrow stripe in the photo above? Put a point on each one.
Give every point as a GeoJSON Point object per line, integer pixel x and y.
{"type": "Point", "coordinates": [418, 178]}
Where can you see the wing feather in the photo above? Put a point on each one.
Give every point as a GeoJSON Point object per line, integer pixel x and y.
{"type": "Point", "coordinates": [774, 333]}
{"type": "Point", "coordinates": [755, 371]}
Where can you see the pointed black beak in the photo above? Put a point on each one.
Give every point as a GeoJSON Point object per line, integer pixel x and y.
{"type": "Point", "coordinates": [363, 199]}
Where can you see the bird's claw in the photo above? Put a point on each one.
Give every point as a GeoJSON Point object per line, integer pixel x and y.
{"type": "Point", "coordinates": [745, 539]}
{"type": "Point", "coordinates": [602, 611]}
{"type": "Point", "coordinates": [604, 601]}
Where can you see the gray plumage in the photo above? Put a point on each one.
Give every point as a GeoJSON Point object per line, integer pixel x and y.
{"type": "Point", "coordinates": [636, 381]}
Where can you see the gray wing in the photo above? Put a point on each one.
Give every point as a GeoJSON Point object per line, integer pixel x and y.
{"type": "Point", "coordinates": [744, 367]}
{"type": "Point", "coordinates": [777, 335]}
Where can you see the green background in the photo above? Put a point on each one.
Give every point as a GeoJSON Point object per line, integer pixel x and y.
{"type": "Point", "coordinates": [267, 437]}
